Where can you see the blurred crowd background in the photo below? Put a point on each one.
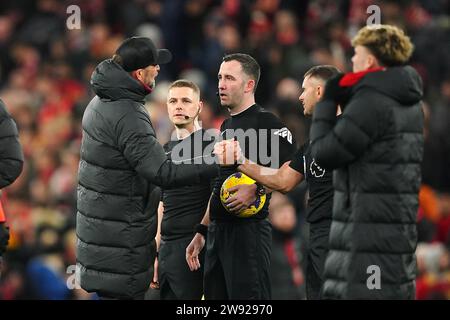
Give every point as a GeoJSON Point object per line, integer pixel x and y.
{"type": "Point", "coordinates": [45, 70]}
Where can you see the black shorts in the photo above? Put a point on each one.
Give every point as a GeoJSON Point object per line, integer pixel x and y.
{"type": "Point", "coordinates": [176, 280]}
{"type": "Point", "coordinates": [237, 261]}
{"type": "Point", "coordinates": [318, 249]}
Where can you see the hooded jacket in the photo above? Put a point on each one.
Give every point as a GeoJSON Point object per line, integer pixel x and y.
{"type": "Point", "coordinates": [121, 162]}
{"type": "Point", "coordinates": [11, 161]}
{"type": "Point", "coordinates": [11, 154]}
{"type": "Point", "coordinates": [376, 148]}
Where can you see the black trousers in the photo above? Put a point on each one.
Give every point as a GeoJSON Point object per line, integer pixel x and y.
{"type": "Point", "coordinates": [176, 280]}
{"type": "Point", "coordinates": [318, 249]}
{"type": "Point", "coordinates": [237, 262]}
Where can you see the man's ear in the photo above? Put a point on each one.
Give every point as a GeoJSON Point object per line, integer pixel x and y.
{"type": "Point", "coordinates": [250, 85]}
{"type": "Point", "coordinates": [372, 62]}
{"type": "Point", "coordinates": [137, 74]}
{"type": "Point", "coordinates": [319, 91]}
{"type": "Point", "coordinates": [200, 106]}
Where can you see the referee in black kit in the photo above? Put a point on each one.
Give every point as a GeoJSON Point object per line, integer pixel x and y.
{"type": "Point", "coordinates": [182, 207]}
{"type": "Point", "coordinates": [319, 180]}
{"type": "Point", "coordinates": [239, 249]}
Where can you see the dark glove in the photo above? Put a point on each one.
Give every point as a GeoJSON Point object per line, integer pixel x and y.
{"type": "Point", "coordinates": [4, 237]}
{"type": "Point", "coordinates": [334, 92]}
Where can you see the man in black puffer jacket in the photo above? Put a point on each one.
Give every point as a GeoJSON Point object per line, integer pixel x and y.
{"type": "Point", "coordinates": [11, 164]}
{"type": "Point", "coordinates": [377, 148]}
{"type": "Point", "coordinates": [121, 164]}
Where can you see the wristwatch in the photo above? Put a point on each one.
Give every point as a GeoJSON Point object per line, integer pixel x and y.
{"type": "Point", "coordinates": [260, 190]}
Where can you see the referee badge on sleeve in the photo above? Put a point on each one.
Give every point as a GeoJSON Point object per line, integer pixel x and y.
{"type": "Point", "coordinates": [284, 133]}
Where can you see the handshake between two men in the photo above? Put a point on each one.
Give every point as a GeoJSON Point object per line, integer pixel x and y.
{"type": "Point", "coordinates": [228, 153]}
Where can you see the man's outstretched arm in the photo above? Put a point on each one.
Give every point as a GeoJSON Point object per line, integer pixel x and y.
{"type": "Point", "coordinates": [283, 179]}
{"type": "Point", "coordinates": [137, 141]}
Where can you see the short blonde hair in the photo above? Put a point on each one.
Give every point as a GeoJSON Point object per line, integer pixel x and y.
{"type": "Point", "coordinates": [183, 83]}
{"type": "Point", "coordinates": [389, 44]}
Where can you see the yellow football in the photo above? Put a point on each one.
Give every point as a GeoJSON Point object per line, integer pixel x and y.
{"type": "Point", "coordinates": [237, 179]}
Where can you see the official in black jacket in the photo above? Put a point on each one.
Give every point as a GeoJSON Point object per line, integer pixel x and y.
{"type": "Point", "coordinates": [121, 164]}
{"type": "Point", "coordinates": [376, 147]}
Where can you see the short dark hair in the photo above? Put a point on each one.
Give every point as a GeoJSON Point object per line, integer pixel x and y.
{"type": "Point", "coordinates": [322, 72]}
{"type": "Point", "coordinates": [248, 63]}
{"type": "Point", "coordinates": [183, 83]}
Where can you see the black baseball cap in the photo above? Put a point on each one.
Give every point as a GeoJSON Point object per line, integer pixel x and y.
{"type": "Point", "coordinates": [140, 52]}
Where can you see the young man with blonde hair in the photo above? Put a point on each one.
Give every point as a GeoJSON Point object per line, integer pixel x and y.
{"type": "Point", "coordinates": [376, 148]}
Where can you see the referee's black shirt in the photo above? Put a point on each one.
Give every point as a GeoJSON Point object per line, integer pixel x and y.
{"type": "Point", "coordinates": [269, 131]}
{"type": "Point", "coordinates": [184, 207]}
